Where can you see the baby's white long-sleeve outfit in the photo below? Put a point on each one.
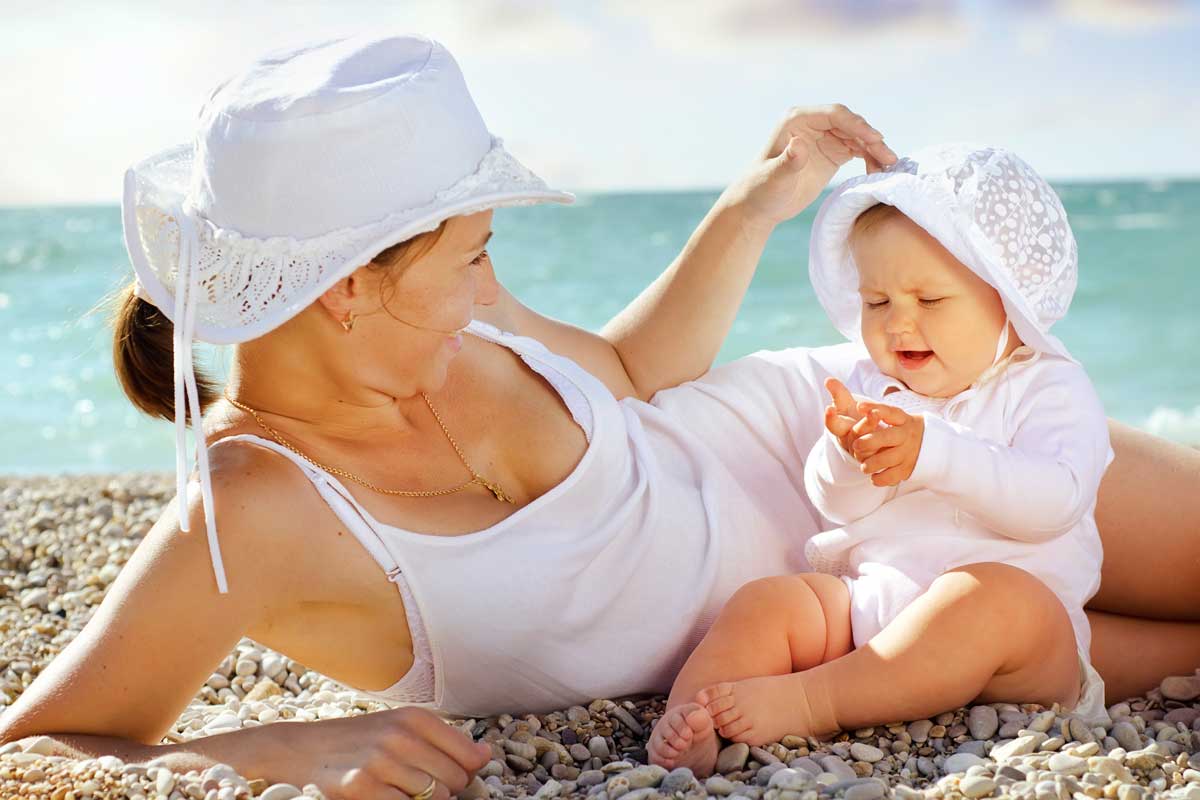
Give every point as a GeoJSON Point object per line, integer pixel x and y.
{"type": "Point", "coordinates": [1008, 471]}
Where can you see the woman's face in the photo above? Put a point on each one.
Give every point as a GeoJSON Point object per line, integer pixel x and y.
{"type": "Point", "coordinates": [927, 319]}
{"type": "Point", "coordinates": [409, 329]}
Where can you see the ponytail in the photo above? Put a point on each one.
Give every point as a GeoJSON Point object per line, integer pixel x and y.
{"type": "Point", "coordinates": [144, 357]}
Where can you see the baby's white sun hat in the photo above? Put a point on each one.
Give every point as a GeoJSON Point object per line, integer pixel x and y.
{"type": "Point", "coordinates": [987, 207]}
{"type": "Point", "coordinates": [305, 165]}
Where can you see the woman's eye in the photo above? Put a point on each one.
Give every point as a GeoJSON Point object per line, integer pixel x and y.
{"type": "Point", "coordinates": [479, 259]}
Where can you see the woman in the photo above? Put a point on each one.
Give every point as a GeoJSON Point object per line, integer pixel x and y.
{"type": "Point", "coordinates": [509, 482]}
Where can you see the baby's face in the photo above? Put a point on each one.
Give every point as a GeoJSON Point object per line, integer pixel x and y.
{"type": "Point", "coordinates": [927, 319]}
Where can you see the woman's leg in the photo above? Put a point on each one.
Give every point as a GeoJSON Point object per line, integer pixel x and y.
{"type": "Point", "coordinates": [987, 631]}
{"type": "Point", "coordinates": [1162, 648]}
{"type": "Point", "coordinates": [1148, 513]}
{"type": "Point", "coordinates": [771, 626]}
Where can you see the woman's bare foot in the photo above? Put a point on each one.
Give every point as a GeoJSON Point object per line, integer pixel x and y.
{"type": "Point", "coordinates": [761, 710]}
{"type": "Point", "coordinates": [685, 737]}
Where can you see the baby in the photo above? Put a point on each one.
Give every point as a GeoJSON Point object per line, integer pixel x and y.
{"type": "Point", "coordinates": [961, 459]}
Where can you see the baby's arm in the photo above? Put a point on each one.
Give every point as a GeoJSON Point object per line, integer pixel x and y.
{"type": "Point", "coordinates": [1045, 482]}
{"type": "Point", "coordinates": [833, 478]}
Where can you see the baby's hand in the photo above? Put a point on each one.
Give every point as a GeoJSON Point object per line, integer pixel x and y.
{"type": "Point", "coordinates": [843, 418]}
{"type": "Point", "coordinates": [889, 454]}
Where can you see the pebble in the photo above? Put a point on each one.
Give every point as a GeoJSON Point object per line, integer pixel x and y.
{"type": "Point", "coordinates": [733, 758]}
{"type": "Point", "coordinates": [976, 786]}
{"type": "Point", "coordinates": [960, 762]}
{"type": "Point", "coordinates": [983, 722]}
{"type": "Point", "coordinates": [865, 752]}
{"type": "Point", "coordinates": [54, 575]}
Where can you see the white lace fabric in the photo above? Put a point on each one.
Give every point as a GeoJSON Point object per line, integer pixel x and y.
{"type": "Point", "coordinates": [986, 206]}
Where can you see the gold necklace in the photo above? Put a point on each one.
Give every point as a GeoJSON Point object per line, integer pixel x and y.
{"type": "Point", "coordinates": [476, 478]}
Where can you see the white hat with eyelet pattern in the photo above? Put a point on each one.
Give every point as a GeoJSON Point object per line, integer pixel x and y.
{"type": "Point", "coordinates": [987, 207]}
{"type": "Point", "coordinates": [305, 165]}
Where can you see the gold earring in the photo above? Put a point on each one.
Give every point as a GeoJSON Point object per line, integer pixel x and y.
{"type": "Point", "coordinates": [348, 322]}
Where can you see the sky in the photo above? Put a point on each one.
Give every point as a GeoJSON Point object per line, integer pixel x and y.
{"type": "Point", "coordinates": [631, 95]}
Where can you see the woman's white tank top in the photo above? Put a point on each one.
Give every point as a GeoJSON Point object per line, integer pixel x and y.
{"type": "Point", "coordinates": [602, 586]}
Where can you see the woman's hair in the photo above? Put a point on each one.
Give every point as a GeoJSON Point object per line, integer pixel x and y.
{"type": "Point", "coordinates": [143, 337]}
{"type": "Point", "coordinates": [872, 217]}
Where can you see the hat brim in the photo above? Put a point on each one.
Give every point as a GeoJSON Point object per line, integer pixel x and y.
{"type": "Point", "coordinates": [834, 275]}
{"type": "Point", "coordinates": [160, 183]}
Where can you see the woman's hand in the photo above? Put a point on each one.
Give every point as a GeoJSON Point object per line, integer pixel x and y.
{"type": "Point", "coordinates": [387, 754]}
{"type": "Point", "coordinates": [805, 151]}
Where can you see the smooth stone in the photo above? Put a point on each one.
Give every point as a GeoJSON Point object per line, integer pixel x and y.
{"type": "Point", "coordinates": [1129, 791]}
{"type": "Point", "coordinates": [41, 745]}
{"type": "Point", "coordinates": [591, 777]}
{"type": "Point", "coordinates": [519, 763]}
{"type": "Point", "coordinates": [679, 779]}
{"type": "Point", "coordinates": [1085, 750]}
{"type": "Point", "coordinates": [1185, 715]}
{"type": "Point", "coordinates": [1126, 733]}
{"type": "Point", "coordinates": [919, 730]}
{"type": "Point", "coordinates": [764, 774]}
{"type": "Point", "coordinates": [1067, 765]}
{"type": "Point", "coordinates": [976, 786]}
{"type": "Point", "coordinates": [960, 762]}
{"type": "Point", "coordinates": [1182, 688]}
{"type": "Point", "coordinates": [983, 722]}
{"type": "Point", "coordinates": [550, 789]}
{"type": "Point", "coordinates": [1146, 758]}
{"type": "Point", "coordinates": [628, 721]}
{"type": "Point", "coordinates": [598, 747]}
{"type": "Point", "coordinates": [1051, 744]}
{"type": "Point", "coordinates": [902, 792]}
{"type": "Point", "coordinates": [764, 757]}
{"type": "Point", "coordinates": [491, 768]}
{"type": "Point", "coordinates": [733, 757]}
{"type": "Point", "coordinates": [1011, 729]}
{"type": "Point", "coordinates": [840, 768]}
{"type": "Point", "coordinates": [617, 786]}
{"type": "Point", "coordinates": [866, 752]}
{"type": "Point", "coordinates": [616, 766]}
{"type": "Point", "coordinates": [1017, 747]}
{"type": "Point", "coordinates": [1080, 731]}
{"type": "Point", "coordinates": [790, 780]}
{"type": "Point", "coordinates": [719, 785]}
{"type": "Point", "coordinates": [645, 776]}
{"type": "Point", "coordinates": [974, 748]}
{"type": "Point", "coordinates": [642, 794]}
{"type": "Point", "coordinates": [579, 752]}
{"type": "Point", "coordinates": [283, 791]}
{"type": "Point", "coordinates": [806, 763]}
{"type": "Point", "coordinates": [866, 790]}
{"type": "Point", "coordinates": [1012, 773]}
{"type": "Point", "coordinates": [1110, 767]}
{"type": "Point", "coordinates": [926, 767]}
{"type": "Point", "coordinates": [1042, 722]}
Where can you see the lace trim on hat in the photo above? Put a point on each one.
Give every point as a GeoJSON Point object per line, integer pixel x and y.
{"type": "Point", "coordinates": [243, 279]}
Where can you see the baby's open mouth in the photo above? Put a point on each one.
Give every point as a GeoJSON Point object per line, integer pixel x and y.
{"type": "Point", "coordinates": [914, 358]}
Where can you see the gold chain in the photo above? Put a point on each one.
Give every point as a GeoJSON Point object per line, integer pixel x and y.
{"type": "Point", "coordinates": [476, 478]}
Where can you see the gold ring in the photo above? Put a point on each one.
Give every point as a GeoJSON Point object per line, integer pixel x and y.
{"type": "Point", "coordinates": [427, 792]}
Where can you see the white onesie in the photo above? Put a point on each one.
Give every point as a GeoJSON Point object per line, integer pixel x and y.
{"type": "Point", "coordinates": [1008, 472]}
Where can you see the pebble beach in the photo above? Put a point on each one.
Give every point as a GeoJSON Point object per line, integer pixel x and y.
{"type": "Point", "coordinates": [63, 540]}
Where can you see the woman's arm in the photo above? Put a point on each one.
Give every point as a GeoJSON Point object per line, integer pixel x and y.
{"type": "Point", "coordinates": [673, 330]}
{"type": "Point", "coordinates": [162, 629]}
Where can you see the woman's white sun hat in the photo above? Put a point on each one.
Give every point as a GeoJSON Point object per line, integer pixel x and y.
{"type": "Point", "coordinates": [984, 205]}
{"type": "Point", "coordinates": [305, 165]}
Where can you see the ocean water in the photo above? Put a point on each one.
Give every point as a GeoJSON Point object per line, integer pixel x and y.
{"type": "Point", "coordinates": [1134, 322]}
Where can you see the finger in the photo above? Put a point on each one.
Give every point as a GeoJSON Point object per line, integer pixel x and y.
{"type": "Point", "coordinates": [853, 124]}
{"type": "Point", "coordinates": [888, 457]}
{"type": "Point", "coordinates": [865, 425]}
{"type": "Point", "coordinates": [396, 782]}
{"type": "Point", "coordinates": [837, 424]}
{"type": "Point", "coordinates": [882, 153]}
{"type": "Point", "coordinates": [889, 414]}
{"type": "Point", "coordinates": [467, 754]}
{"type": "Point", "coordinates": [888, 477]}
{"type": "Point", "coordinates": [868, 445]}
{"type": "Point", "coordinates": [835, 149]}
{"type": "Point", "coordinates": [842, 399]}
{"type": "Point", "coordinates": [433, 762]}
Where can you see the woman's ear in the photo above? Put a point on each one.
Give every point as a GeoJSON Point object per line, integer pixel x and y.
{"type": "Point", "coordinates": [344, 296]}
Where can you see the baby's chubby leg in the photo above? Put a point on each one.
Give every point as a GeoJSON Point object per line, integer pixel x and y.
{"type": "Point", "coordinates": [771, 626]}
{"type": "Point", "coordinates": [988, 632]}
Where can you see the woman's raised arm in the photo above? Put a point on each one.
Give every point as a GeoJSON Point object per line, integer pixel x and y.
{"type": "Point", "coordinates": [672, 331]}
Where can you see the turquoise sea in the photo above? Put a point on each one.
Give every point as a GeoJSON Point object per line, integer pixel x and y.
{"type": "Point", "coordinates": [1134, 322]}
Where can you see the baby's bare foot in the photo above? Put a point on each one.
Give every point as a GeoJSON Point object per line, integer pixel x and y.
{"type": "Point", "coordinates": [759, 710]}
{"type": "Point", "coordinates": [684, 737]}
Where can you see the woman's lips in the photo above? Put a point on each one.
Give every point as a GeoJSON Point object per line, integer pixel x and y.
{"type": "Point", "coordinates": [914, 359]}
